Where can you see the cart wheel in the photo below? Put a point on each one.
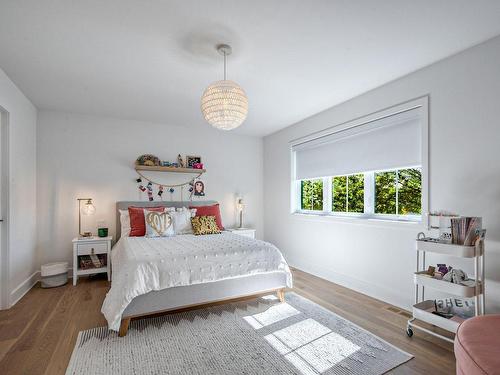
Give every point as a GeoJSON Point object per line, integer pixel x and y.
{"type": "Point", "coordinates": [409, 332]}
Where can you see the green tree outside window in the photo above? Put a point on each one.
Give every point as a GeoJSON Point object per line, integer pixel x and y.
{"type": "Point", "coordinates": [410, 191]}
{"type": "Point", "coordinates": [311, 195]}
{"type": "Point", "coordinates": [348, 193]}
{"type": "Point", "coordinates": [385, 193]}
{"type": "Point", "coordinates": [339, 194]}
{"type": "Point", "coordinates": [406, 185]}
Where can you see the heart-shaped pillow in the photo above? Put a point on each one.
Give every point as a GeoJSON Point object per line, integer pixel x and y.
{"type": "Point", "coordinates": [158, 224]}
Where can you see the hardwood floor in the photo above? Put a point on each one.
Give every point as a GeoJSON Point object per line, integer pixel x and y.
{"type": "Point", "coordinates": [38, 334]}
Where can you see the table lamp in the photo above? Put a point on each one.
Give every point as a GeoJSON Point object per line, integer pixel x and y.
{"type": "Point", "coordinates": [86, 209]}
{"type": "Point", "coordinates": [240, 206]}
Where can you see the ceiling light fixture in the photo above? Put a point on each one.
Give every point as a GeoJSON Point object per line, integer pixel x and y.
{"type": "Point", "coordinates": [224, 104]}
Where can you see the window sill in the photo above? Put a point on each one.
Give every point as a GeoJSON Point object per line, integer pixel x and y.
{"type": "Point", "coordinates": [359, 219]}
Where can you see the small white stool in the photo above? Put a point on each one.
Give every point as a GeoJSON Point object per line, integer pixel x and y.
{"type": "Point", "coordinates": [54, 274]}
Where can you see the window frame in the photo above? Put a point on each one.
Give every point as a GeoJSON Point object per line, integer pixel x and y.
{"type": "Point", "coordinates": [369, 198]}
{"type": "Point", "coordinates": [422, 104]}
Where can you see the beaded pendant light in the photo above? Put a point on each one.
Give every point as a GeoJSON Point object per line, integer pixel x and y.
{"type": "Point", "coordinates": [224, 104]}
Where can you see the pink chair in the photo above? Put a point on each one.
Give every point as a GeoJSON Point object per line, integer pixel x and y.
{"type": "Point", "coordinates": [477, 346]}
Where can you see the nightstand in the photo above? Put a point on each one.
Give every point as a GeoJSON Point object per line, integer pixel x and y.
{"type": "Point", "coordinates": [247, 232]}
{"type": "Point", "coordinates": [83, 248]}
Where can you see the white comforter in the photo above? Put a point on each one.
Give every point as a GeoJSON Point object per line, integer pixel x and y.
{"type": "Point", "coordinates": [141, 265]}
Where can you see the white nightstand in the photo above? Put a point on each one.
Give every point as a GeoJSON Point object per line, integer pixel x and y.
{"type": "Point", "coordinates": [91, 246]}
{"type": "Point", "coordinates": [247, 232]}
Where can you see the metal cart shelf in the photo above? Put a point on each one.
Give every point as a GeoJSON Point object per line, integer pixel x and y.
{"type": "Point", "coordinates": [422, 309]}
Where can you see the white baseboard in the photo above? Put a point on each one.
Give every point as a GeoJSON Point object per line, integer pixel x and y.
{"type": "Point", "coordinates": [360, 286]}
{"type": "Point", "coordinates": [23, 288]}
{"type": "Point", "coordinates": [26, 285]}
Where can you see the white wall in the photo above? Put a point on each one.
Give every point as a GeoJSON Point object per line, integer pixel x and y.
{"type": "Point", "coordinates": [83, 156]}
{"type": "Point", "coordinates": [378, 258]}
{"type": "Point", "coordinates": [22, 184]}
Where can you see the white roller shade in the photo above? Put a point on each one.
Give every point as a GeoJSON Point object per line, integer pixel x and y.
{"type": "Point", "coordinates": [389, 143]}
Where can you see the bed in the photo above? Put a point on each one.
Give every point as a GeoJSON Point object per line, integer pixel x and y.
{"type": "Point", "coordinates": [156, 275]}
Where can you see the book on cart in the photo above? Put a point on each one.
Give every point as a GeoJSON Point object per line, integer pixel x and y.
{"type": "Point", "coordinates": [465, 230]}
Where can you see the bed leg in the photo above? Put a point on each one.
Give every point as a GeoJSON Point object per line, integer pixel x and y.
{"type": "Point", "coordinates": [281, 294]}
{"type": "Point", "coordinates": [124, 327]}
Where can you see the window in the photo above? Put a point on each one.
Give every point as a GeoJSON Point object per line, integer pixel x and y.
{"type": "Point", "coordinates": [311, 193]}
{"type": "Point", "coordinates": [373, 167]}
{"type": "Point", "coordinates": [399, 192]}
{"type": "Point", "coordinates": [348, 193]}
{"type": "Point", "coordinates": [396, 193]}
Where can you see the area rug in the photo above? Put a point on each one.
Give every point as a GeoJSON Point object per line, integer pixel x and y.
{"type": "Point", "coordinates": [260, 336]}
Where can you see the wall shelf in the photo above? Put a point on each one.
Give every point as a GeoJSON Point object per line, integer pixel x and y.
{"type": "Point", "coordinates": [168, 169]}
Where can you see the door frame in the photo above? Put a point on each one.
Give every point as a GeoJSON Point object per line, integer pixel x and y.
{"type": "Point", "coordinates": [5, 211]}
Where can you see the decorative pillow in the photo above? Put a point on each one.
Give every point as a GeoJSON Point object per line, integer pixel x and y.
{"type": "Point", "coordinates": [182, 220]}
{"type": "Point", "coordinates": [137, 221]}
{"type": "Point", "coordinates": [210, 211]}
{"type": "Point", "coordinates": [158, 224]}
{"type": "Point", "coordinates": [204, 225]}
{"type": "Point", "coordinates": [124, 223]}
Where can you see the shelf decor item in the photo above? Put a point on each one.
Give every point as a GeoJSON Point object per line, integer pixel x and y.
{"type": "Point", "coordinates": [87, 209]}
{"type": "Point", "coordinates": [224, 104]}
{"type": "Point", "coordinates": [148, 159]}
{"type": "Point", "coordinates": [193, 162]}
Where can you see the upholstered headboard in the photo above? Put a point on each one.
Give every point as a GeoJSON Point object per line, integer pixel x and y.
{"type": "Point", "coordinates": [176, 204]}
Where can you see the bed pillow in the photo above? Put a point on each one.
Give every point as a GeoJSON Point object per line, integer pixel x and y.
{"type": "Point", "coordinates": [210, 211]}
{"type": "Point", "coordinates": [182, 220]}
{"type": "Point", "coordinates": [137, 221]}
{"type": "Point", "coordinates": [205, 225]}
{"type": "Point", "coordinates": [158, 224]}
{"type": "Point", "coordinates": [124, 223]}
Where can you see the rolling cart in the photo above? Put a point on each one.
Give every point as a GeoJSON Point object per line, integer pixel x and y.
{"type": "Point", "coordinates": [422, 309]}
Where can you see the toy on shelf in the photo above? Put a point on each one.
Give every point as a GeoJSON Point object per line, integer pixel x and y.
{"type": "Point", "coordinates": [148, 159]}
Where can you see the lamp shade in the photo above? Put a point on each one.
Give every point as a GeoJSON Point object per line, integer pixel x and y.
{"type": "Point", "coordinates": [240, 205]}
{"type": "Point", "coordinates": [88, 208]}
{"type": "Point", "coordinates": [224, 105]}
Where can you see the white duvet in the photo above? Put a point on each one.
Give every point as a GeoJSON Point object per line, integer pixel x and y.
{"type": "Point", "coordinates": [141, 265]}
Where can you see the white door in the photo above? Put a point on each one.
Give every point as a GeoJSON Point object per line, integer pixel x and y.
{"type": "Point", "coordinates": [4, 258]}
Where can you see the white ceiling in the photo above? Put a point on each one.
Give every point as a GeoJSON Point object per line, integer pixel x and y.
{"type": "Point", "coordinates": [151, 60]}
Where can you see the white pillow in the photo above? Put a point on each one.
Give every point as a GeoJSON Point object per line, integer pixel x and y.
{"type": "Point", "coordinates": [182, 220]}
{"type": "Point", "coordinates": [125, 223]}
{"type": "Point", "coordinates": [158, 224]}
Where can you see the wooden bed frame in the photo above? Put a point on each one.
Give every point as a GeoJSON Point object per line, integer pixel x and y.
{"type": "Point", "coordinates": [125, 321]}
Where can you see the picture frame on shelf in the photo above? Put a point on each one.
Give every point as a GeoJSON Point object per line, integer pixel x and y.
{"type": "Point", "coordinates": [191, 160]}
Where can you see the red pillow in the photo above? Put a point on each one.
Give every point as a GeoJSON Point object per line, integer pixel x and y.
{"type": "Point", "coordinates": [137, 221]}
{"type": "Point", "coordinates": [210, 211]}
